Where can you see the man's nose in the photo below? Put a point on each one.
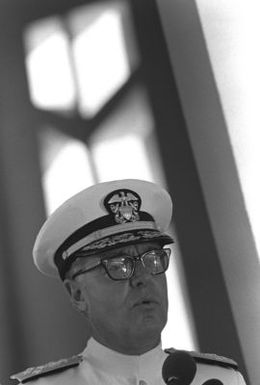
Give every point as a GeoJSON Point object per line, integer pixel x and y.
{"type": "Point", "coordinates": [141, 275]}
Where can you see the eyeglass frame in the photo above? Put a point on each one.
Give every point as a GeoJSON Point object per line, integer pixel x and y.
{"type": "Point", "coordinates": [104, 261]}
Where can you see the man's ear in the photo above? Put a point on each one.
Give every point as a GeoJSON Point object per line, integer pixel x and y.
{"type": "Point", "coordinates": [77, 298]}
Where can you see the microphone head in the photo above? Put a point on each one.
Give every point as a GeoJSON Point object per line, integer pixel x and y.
{"type": "Point", "coordinates": [179, 368]}
{"type": "Point", "coordinates": [213, 381]}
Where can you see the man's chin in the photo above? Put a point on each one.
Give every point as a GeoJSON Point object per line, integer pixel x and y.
{"type": "Point", "coordinates": [149, 328]}
{"type": "Point", "coordinates": [151, 318]}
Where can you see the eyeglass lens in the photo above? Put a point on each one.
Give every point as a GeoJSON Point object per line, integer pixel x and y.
{"type": "Point", "coordinates": [155, 262]}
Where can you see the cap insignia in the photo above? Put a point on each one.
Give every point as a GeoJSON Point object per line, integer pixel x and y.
{"type": "Point", "coordinates": [124, 205]}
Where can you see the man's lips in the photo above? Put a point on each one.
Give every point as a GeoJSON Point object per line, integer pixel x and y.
{"type": "Point", "coordinates": [145, 302]}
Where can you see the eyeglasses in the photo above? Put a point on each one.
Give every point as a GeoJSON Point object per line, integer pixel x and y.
{"type": "Point", "coordinates": [121, 268]}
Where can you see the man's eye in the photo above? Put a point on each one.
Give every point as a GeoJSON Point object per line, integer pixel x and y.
{"type": "Point", "coordinates": [118, 264]}
{"type": "Point", "coordinates": [119, 268]}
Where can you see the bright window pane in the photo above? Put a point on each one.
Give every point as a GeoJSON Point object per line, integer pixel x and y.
{"type": "Point", "coordinates": [48, 65]}
{"type": "Point", "coordinates": [66, 169]}
{"type": "Point", "coordinates": [101, 59]}
{"type": "Point", "coordinates": [178, 332]}
{"type": "Point", "coordinates": [120, 162]}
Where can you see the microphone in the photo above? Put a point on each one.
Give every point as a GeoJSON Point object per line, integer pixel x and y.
{"type": "Point", "coordinates": [213, 381]}
{"type": "Point", "coordinates": [179, 368]}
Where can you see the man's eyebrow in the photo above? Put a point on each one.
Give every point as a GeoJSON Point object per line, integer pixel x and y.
{"type": "Point", "coordinates": [86, 262]}
{"type": "Point", "coordinates": [117, 253]}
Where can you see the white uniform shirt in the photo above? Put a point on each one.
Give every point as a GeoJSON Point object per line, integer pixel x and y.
{"type": "Point", "coordinates": [103, 366]}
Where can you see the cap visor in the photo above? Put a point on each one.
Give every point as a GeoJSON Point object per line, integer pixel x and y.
{"type": "Point", "coordinates": [127, 238]}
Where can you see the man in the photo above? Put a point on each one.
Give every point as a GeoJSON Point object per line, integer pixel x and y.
{"type": "Point", "coordinates": [108, 245]}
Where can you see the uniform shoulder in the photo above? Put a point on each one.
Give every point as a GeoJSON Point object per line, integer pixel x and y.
{"type": "Point", "coordinates": [208, 358]}
{"type": "Point", "coordinates": [47, 369]}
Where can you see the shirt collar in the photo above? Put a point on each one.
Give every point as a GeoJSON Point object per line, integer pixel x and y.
{"type": "Point", "coordinates": [145, 366]}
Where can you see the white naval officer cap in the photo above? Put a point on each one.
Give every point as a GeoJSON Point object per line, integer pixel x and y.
{"type": "Point", "coordinates": [101, 217]}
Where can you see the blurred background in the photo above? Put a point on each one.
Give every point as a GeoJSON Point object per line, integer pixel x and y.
{"type": "Point", "coordinates": [166, 91]}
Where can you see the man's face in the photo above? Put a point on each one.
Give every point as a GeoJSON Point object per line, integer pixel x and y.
{"type": "Point", "coordinates": [129, 315]}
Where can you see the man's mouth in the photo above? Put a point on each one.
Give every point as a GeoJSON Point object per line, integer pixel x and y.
{"type": "Point", "coordinates": [145, 302]}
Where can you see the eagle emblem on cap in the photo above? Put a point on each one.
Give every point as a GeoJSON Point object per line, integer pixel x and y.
{"type": "Point", "coordinates": [124, 205]}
